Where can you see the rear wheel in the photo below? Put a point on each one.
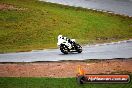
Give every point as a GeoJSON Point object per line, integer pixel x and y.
{"type": "Point", "coordinates": [64, 49]}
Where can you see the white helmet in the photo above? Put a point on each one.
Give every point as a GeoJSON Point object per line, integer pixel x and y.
{"type": "Point", "coordinates": [59, 36]}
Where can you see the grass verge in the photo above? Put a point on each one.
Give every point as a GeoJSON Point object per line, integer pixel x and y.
{"type": "Point", "coordinates": [31, 24]}
{"type": "Point", "coordinates": [53, 83]}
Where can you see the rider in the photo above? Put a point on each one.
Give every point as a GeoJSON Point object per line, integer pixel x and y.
{"type": "Point", "coordinates": [69, 42]}
{"type": "Point", "coordinates": [65, 38]}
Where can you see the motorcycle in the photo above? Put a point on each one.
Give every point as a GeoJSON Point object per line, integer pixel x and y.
{"type": "Point", "coordinates": [67, 45]}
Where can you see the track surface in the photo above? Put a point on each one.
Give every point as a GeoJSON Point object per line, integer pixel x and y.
{"type": "Point", "coordinates": [117, 6]}
{"type": "Point", "coordinates": [104, 51]}
{"type": "Point", "coordinates": [100, 51]}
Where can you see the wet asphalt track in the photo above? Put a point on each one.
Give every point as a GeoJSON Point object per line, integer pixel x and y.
{"type": "Point", "coordinates": [117, 6]}
{"type": "Point", "coordinates": [100, 51]}
{"type": "Point", "coordinates": [103, 51]}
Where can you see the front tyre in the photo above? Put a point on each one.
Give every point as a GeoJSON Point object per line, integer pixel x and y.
{"type": "Point", "coordinates": [78, 48]}
{"type": "Point", "coordinates": [64, 49]}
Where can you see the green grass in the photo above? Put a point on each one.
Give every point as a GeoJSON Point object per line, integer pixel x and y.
{"type": "Point", "coordinates": [38, 25]}
{"type": "Point", "coordinates": [53, 83]}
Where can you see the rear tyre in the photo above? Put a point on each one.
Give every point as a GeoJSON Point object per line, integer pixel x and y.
{"type": "Point", "coordinates": [64, 49]}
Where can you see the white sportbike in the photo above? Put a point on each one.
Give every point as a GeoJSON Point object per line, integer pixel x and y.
{"type": "Point", "coordinates": [67, 45]}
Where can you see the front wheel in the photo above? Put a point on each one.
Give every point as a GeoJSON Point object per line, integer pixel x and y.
{"type": "Point", "coordinates": [64, 49]}
{"type": "Point", "coordinates": [78, 48]}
